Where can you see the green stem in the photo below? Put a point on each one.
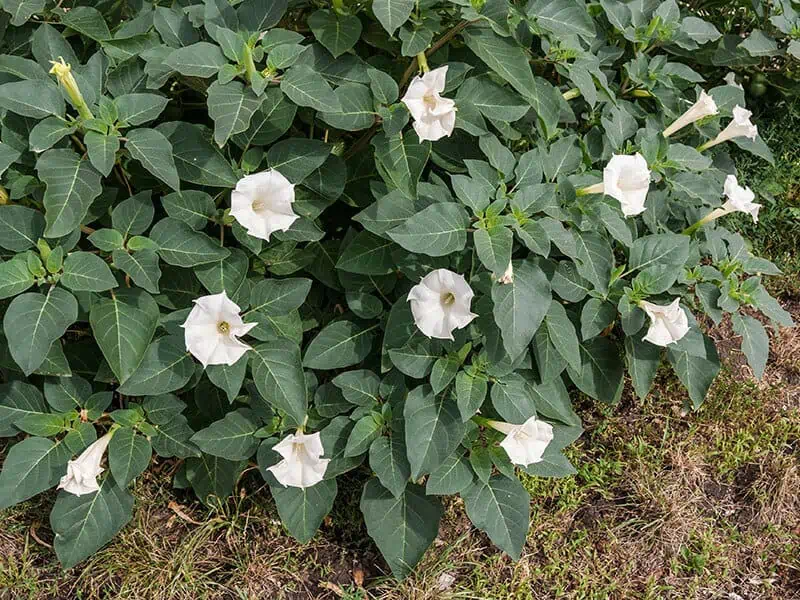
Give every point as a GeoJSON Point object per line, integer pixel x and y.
{"type": "Point", "coordinates": [338, 6]}
{"type": "Point", "coordinates": [481, 421]}
{"type": "Point", "coordinates": [713, 215]}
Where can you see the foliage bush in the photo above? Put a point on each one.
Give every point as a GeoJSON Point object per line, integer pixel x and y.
{"type": "Point", "coordinates": [129, 130]}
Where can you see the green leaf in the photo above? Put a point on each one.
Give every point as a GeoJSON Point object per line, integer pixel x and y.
{"type": "Point", "coordinates": [137, 109]}
{"type": "Point", "coordinates": [87, 272]}
{"type": "Point", "coordinates": [231, 106]}
{"type": "Point", "coordinates": [31, 466]}
{"type": "Point", "coordinates": [438, 230]}
{"type": "Point", "coordinates": [401, 161]}
{"type": "Point", "coordinates": [453, 476]}
{"type": "Point", "coordinates": [231, 437]}
{"type": "Point", "coordinates": [492, 100]}
{"type": "Point", "coordinates": [196, 160]}
{"type": "Point", "coordinates": [166, 367]}
{"type": "Point", "coordinates": [367, 429]}
{"type": "Point", "coordinates": [596, 316]}
{"type": "Point", "coordinates": [302, 510]}
{"type": "Point", "coordinates": [696, 362]}
{"type": "Point", "coordinates": [84, 524]}
{"type": "Point", "coordinates": [305, 87]}
{"type": "Point", "coordinates": [279, 296]}
{"type": "Point", "coordinates": [595, 258]}
{"type": "Point", "coordinates": [198, 60]}
{"type": "Point", "coordinates": [261, 15]}
{"type": "Point", "coordinates": [270, 122]}
{"type": "Point", "coordinates": [387, 457]}
{"type": "Point", "coordinates": [433, 429]}
{"type": "Point", "coordinates": [470, 394]}
{"type": "Point", "coordinates": [22, 10]}
{"type": "Point", "coordinates": [643, 359]}
{"type": "Point", "coordinates": [668, 249]}
{"type": "Point", "coordinates": [226, 275]}
{"type": "Point", "coordinates": [494, 246]}
{"type": "Point", "coordinates": [360, 387]}
{"type": "Point", "coordinates": [563, 18]}
{"type": "Point", "coordinates": [20, 227]}
{"type": "Point", "coordinates": [392, 13]}
{"type": "Point", "coordinates": [383, 86]}
{"type": "Point", "coordinates": [357, 110]}
{"type": "Point", "coordinates": [687, 158]}
{"type": "Point", "coordinates": [338, 33]}
{"type": "Point", "coordinates": [501, 508]}
{"type": "Point", "coordinates": [35, 321]}
{"type": "Point", "coordinates": [403, 528]}
{"type": "Point", "coordinates": [179, 245]}
{"type": "Point", "coordinates": [88, 21]}
{"type": "Point", "coordinates": [193, 207]}
{"type": "Point", "coordinates": [34, 98]}
{"type": "Point", "coordinates": [67, 393]}
{"type": "Point", "coordinates": [228, 377]}
{"type": "Point", "coordinates": [755, 342]}
{"type": "Point", "coordinates": [520, 307]}
{"type": "Point", "coordinates": [563, 335]}
{"type": "Point", "coordinates": [367, 254]}
{"type": "Point", "coordinates": [128, 455]}
{"type": "Point", "coordinates": [339, 344]}
{"type": "Point", "coordinates": [15, 278]}
{"type": "Point", "coordinates": [297, 158]}
{"type": "Point", "coordinates": [123, 326]}
{"type": "Point", "coordinates": [172, 439]}
{"type": "Point", "coordinates": [142, 267]}
{"type": "Point", "coordinates": [155, 152]}
{"type": "Point", "coordinates": [102, 150]}
{"type": "Point", "coordinates": [600, 375]}
{"type": "Point", "coordinates": [759, 44]}
{"type": "Point", "coordinates": [72, 185]}
{"type": "Point", "coordinates": [212, 478]}
{"type": "Point", "coordinates": [278, 374]}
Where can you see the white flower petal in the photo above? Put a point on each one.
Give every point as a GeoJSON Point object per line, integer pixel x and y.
{"type": "Point", "coordinates": [627, 179]}
{"type": "Point", "coordinates": [525, 444]}
{"type": "Point", "coordinates": [82, 473]}
{"type": "Point", "coordinates": [434, 116]}
{"type": "Point", "coordinates": [668, 324]}
{"type": "Point", "coordinates": [440, 304]}
{"type": "Point", "coordinates": [262, 203]}
{"type": "Point", "coordinates": [212, 328]}
{"type": "Point", "coordinates": [301, 465]}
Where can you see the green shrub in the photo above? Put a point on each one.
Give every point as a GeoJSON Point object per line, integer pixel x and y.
{"type": "Point", "coordinates": [381, 236]}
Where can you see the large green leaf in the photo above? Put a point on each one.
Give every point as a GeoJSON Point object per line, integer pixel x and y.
{"type": "Point", "coordinates": [755, 342]}
{"type": "Point", "coordinates": [279, 296]}
{"type": "Point", "coordinates": [34, 321]}
{"type": "Point", "coordinates": [438, 230]}
{"type": "Point", "coordinates": [31, 466]}
{"type": "Point", "coordinates": [196, 159]}
{"type": "Point", "coordinates": [142, 267]}
{"type": "Point", "coordinates": [198, 60]}
{"type": "Point", "coordinates": [87, 272]}
{"type": "Point", "coordinates": [35, 98]}
{"type": "Point", "coordinates": [306, 87]}
{"type": "Point", "coordinates": [166, 367]}
{"type": "Point", "coordinates": [696, 362]}
{"type": "Point", "coordinates": [392, 13]}
{"type": "Point", "coordinates": [302, 509]}
{"type": "Point", "coordinates": [278, 374]}
{"type": "Point", "coordinates": [367, 254]}
{"type": "Point", "coordinates": [387, 457]}
{"type": "Point", "coordinates": [231, 106]}
{"type": "Point", "coordinates": [123, 326]}
{"type": "Point", "coordinates": [151, 148]}
{"type": "Point", "coordinates": [231, 437]}
{"type": "Point", "coordinates": [128, 455]}
{"type": "Point", "coordinates": [15, 278]}
{"type": "Point", "coordinates": [72, 185]}
{"type": "Point", "coordinates": [340, 344]}
{"type": "Point", "coordinates": [404, 527]}
{"type": "Point", "coordinates": [179, 245]}
{"type": "Point", "coordinates": [338, 33]}
{"type": "Point", "coordinates": [520, 307]}
{"type": "Point", "coordinates": [401, 160]}
{"type": "Point", "coordinates": [84, 524]}
{"type": "Point", "coordinates": [433, 429]}
{"type": "Point", "coordinates": [88, 21]}
{"type": "Point", "coordinates": [20, 227]}
{"type": "Point", "coordinates": [600, 375]}
{"type": "Point", "coordinates": [501, 508]}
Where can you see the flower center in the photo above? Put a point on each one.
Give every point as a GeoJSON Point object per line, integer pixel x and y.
{"type": "Point", "coordinates": [224, 327]}
{"type": "Point", "coordinates": [429, 100]}
{"type": "Point", "coordinates": [448, 298]}
{"type": "Point", "coordinates": [258, 205]}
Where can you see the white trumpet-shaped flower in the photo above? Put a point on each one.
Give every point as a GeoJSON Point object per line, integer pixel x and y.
{"type": "Point", "coordinates": [704, 107]}
{"type": "Point", "coordinates": [740, 126]}
{"type": "Point", "coordinates": [627, 179]}
{"type": "Point", "coordinates": [302, 465]}
{"type": "Point", "coordinates": [262, 203]}
{"type": "Point", "coordinates": [434, 116]}
{"type": "Point", "coordinates": [525, 444]}
{"type": "Point", "coordinates": [212, 329]}
{"type": "Point", "coordinates": [668, 324]}
{"type": "Point", "coordinates": [82, 473]}
{"type": "Point", "coordinates": [740, 199]}
{"type": "Point", "coordinates": [440, 304]}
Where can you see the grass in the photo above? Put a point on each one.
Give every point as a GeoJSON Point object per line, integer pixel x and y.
{"type": "Point", "coordinates": [665, 505]}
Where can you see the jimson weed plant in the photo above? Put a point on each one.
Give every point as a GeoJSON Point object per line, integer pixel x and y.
{"type": "Point", "coordinates": [385, 238]}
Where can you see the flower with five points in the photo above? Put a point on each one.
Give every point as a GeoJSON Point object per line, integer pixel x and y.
{"type": "Point", "coordinates": [82, 473]}
{"type": "Point", "coordinates": [302, 465]}
{"type": "Point", "coordinates": [440, 304]}
{"type": "Point", "coordinates": [668, 324]}
{"type": "Point", "coordinates": [212, 330]}
{"type": "Point", "coordinates": [262, 203]}
{"type": "Point", "coordinates": [434, 116]}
